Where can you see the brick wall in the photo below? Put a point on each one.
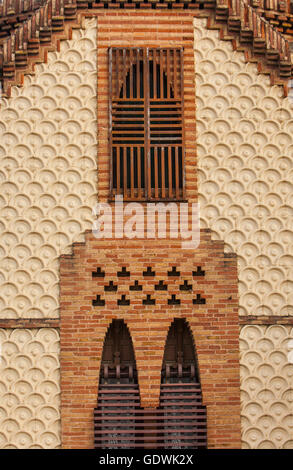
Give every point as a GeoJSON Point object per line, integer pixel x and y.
{"type": "Point", "coordinates": [214, 326]}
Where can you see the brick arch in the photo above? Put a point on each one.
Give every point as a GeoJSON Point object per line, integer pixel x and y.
{"type": "Point", "coordinates": [149, 371]}
{"type": "Point", "coordinates": [199, 344]}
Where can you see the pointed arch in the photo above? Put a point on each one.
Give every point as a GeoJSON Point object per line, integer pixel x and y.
{"type": "Point", "coordinates": [118, 399]}
{"type": "Point", "coordinates": [160, 83]}
{"type": "Point", "coordinates": [180, 419]}
{"type": "Point", "coordinates": [183, 414]}
{"type": "Point", "coordinates": [180, 359]}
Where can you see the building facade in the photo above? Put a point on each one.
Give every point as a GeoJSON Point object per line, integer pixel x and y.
{"type": "Point", "coordinates": [140, 341]}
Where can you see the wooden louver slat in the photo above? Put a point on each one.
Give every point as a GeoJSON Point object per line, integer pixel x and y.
{"type": "Point", "coordinates": [146, 123]}
{"type": "Point", "coordinates": [179, 422]}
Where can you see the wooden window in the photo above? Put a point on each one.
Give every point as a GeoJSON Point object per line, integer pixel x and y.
{"type": "Point", "coordinates": [146, 123]}
{"type": "Point", "coordinates": [115, 415]}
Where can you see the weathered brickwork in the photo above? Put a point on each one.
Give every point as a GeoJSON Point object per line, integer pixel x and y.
{"type": "Point", "coordinates": [214, 326]}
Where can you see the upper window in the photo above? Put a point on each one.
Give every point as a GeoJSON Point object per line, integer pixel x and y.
{"type": "Point", "coordinates": [146, 128]}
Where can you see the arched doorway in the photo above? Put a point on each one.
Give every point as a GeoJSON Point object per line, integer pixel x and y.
{"type": "Point", "coordinates": [179, 421]}
{"type": "Point", "coordinates": [181, 410]}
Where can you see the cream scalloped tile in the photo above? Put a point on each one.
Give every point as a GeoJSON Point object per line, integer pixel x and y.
{"type": "Point", "coordinates": [29, 388]}
{"type": "Point", "coordinates": [266, 386]}
{"type": "Point", "coordinates": [245, 147]}
{"type": "Point", "coordinates": [48, 177]}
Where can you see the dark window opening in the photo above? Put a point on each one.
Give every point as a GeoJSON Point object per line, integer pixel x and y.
{"type": "Point", "coordinates": [118, 402]}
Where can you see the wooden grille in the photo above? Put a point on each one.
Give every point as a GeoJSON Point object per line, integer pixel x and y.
{"type": "Point", "coordinates": [120, 422]}
{"type": "Point", "coordinates": [118, 362]}
{"type": "Point", "coordinates": [146, 123]}
{"type": "Point", "coordinates": [115, 416]}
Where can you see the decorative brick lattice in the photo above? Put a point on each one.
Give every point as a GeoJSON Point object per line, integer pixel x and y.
{"type": "Point", "coordinates": [189, 285]}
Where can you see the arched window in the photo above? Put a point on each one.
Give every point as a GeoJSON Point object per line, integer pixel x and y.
{"type": "Point", "coordinates": [179, 363]}
{"type": "Point", "coordinates": [118, 361]}
{"type": "Point", "coordinates": [115, 415]}
{"type": "Point", "coordinates": [183, 415]}
{"type": "Point", "coordinates": [179, 421]}
{"type": "Point", "coordinates": [146, 128]}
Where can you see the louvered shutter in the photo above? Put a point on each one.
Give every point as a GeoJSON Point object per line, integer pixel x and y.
{"type": "Point", "coordinates": [146, 123]}
{"type": "Point", "coordinates": [115, 415]}
{"type": "Point", "coordinates": [179, 421]}
{"type": "Point", "coordinates": [184, 415]}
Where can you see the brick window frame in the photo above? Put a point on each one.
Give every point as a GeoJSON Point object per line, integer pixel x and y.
{"type": "Point", "coordinates": [146, 111]}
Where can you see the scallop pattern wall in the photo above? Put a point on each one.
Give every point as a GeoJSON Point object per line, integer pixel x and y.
{"type": "Point", "coordinates": [267, 386]}
{"type": "Point", "coordinates": [29, 389]}
{"type": "Point", "coordinates": [245, 148]}
{"type": "Point", "coordinates": [48, 153]}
